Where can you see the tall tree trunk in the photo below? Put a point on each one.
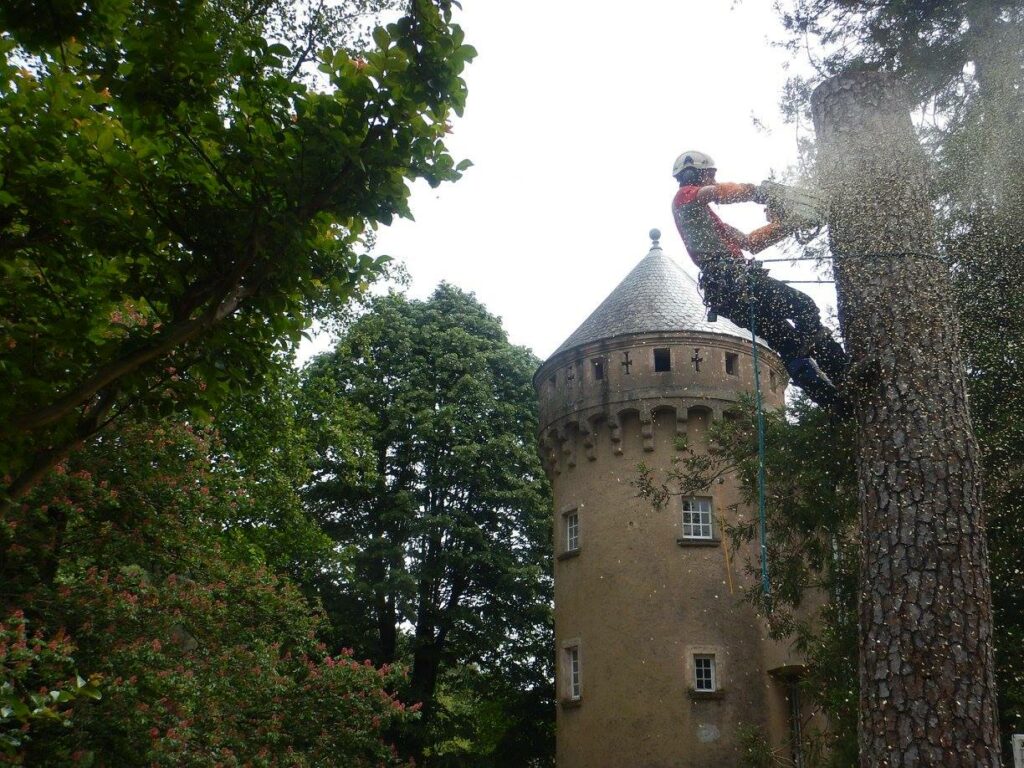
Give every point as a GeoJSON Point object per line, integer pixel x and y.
{"type": "Point", "coordinates": [927, 687]}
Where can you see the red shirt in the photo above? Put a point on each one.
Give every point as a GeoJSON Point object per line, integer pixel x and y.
{"type": "Point", "coordinates": [703, 233]}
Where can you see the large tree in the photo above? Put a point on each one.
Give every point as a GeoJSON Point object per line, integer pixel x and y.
{"type": "Point", "coordinates": [186, 185]}
{"type": "Point", "coordinates": [428, 480]}
{"type": "Point", "coordinates": [961, 62]}
{"type": "Point", "coordinates": [926, 652]}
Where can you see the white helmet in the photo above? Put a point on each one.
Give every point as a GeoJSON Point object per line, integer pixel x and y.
{"type": "Point", "coordinates": [693, 159]}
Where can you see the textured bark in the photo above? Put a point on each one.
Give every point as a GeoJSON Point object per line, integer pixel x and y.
{"type": "Point", "coordinates": [927, 688]}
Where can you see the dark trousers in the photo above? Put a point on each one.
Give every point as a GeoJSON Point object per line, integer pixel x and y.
{"type": "Point", "coordinates": [786, 318]}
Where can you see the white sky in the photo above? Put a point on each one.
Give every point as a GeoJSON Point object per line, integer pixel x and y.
{"type": "Point", "coordinates": [576, 111]}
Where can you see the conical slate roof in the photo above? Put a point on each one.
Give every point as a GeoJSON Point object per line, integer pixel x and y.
{"type": "Point", "coordinates": [656, 296]}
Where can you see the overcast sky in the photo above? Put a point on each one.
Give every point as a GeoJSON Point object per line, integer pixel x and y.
{"type": "Point", "coordinates": [575, 115]}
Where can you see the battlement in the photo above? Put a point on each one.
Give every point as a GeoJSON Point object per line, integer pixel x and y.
{"type": "Point", "coordinates": [596, 391]}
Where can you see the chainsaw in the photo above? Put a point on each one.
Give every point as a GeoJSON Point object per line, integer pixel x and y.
{"type": "Point", "coordinates": [797, 208]}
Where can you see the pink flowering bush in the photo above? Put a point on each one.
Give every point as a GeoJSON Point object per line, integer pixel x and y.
{"type": "Point", "coordinates": [38, 683]}
{"type": "Point", "coordinates": [201, 655]}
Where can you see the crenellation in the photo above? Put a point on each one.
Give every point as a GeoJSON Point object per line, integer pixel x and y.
{"type": "Point", "coordinates": [561, 443]}
{"type": "Point", "coordinates": [569, 385]}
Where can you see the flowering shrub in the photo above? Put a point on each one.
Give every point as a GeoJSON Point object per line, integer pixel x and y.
{"type": "Point", "coordinates": [38, 682]}
{"type": "Point", "coordinates": [203, 655]}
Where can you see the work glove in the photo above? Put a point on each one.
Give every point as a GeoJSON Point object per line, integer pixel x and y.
{"type": "Point", "coordinates": [762, 193]}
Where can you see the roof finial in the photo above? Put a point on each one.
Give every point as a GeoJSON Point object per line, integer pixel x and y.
{"type": "Point", "coordinates": [655, 235]}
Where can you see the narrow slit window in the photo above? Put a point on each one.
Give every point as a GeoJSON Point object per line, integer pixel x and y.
{"type": "Point", "coordinates": [572, 532]}
{"type": "Point", "coordinates": [662, 360]}
{"type": "Point", "coordinates": [598, 365]}
{"type": "Point", "coordinates": [697, 518]}
{"type": "Point", "coordinates": [572, 672]}
{"type": "Point", "coordinates": [732, 363]}
{"type": "Point", "coordinates": [704, 673]}
{"type": "Point", "coordinates": [773, 381]}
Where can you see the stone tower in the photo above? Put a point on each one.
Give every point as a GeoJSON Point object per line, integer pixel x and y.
{"type": "Point", "coordinates": [659, 661]}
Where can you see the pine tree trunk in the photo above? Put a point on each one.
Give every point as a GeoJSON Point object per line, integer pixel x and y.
{"type": "Point", "coordinates": [927, 688]}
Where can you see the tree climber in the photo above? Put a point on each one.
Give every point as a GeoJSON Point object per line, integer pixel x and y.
{"type": "Point", "coordinates": [735, 286]}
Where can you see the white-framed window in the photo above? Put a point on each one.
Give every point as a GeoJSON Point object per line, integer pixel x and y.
{"type": "Point", "coordinates": [697, 518]}
{"type": "Point", "coordinates": [704, 678]}
{"type": "Point", "coordinates": [572, 531]}
{"type": "Point", "coordinates": [573, 685]}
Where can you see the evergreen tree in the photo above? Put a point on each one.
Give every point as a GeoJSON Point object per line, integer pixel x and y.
{"type": "Point", "coordinates": [962, 61]}
{"type": "Point", "coordinates": [427, 478]}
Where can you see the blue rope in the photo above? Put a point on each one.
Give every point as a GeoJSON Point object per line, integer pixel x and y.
{"type": "Point", "coordinates": [765, 582]}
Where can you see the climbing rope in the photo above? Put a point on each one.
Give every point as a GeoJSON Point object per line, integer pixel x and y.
{"type": "Point", "coordinates": [762, 517]}
{"type": "Point", "coordinates": [765, 582]}
{"type": "Point", "coordinates": [885, 255]}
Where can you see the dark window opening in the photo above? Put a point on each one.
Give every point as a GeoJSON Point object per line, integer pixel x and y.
{"type": "Point", "coordinates": [662, 360]}
{"type": "Point", "coordinates": [773, 382]}
{"type": "Point", "coordinates": [795, 724]}
{"type": "Point", "coordinates": [598, 369]}
{"type": "Point", "coordinates": [553, 381]}
{"type": "Point", "coordinates": [732, 363]}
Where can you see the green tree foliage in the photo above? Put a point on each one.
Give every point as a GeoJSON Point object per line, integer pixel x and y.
{"type": "Point", "coordinates": [186, 185]}
{"type": "Point", "coordinates": [427, 477]}
{"type": "Point", "coordinates": [961, 61]}
{"type": "Point", "coordinates": [263, 443]}
{"type": "Point", "coordinates": [199, 653]}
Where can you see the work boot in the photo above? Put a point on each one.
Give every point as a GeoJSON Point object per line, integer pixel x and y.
{"type": "Point", "coordinates": [833, 360]}
{"type": "Point", "coordinates": [828, 354]}
{"type": "Point", "coordinates": [805, 373]}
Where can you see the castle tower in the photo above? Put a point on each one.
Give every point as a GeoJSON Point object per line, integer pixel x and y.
{"type": "Point", "coordinates": [659, 660]}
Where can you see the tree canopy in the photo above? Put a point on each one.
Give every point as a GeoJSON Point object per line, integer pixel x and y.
{"type": "Point", "coordinates": [427, 477]}
{"type": "Point", "coordinates": [186, 186]}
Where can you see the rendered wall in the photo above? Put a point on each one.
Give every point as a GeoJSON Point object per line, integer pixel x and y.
{"type": "Point", "coordinates": [637, 603]}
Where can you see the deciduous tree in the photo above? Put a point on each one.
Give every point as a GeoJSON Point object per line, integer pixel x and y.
{"type": "Point", "coordinates": [186, 185]}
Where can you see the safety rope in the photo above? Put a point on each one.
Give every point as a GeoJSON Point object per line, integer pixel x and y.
{"type": "Point", "coordinates": [869, 255]}
{"type": "Point", "coordinates": [765, 582]}
{"type": "Point", "coordinates": [762, 517]}
{"type": "Point", "coordinates": [886, 255]}
{"type": "Point", "coordinates": [761, 505]}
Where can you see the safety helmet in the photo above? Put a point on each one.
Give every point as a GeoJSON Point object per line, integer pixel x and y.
{"type": "Point", "coordinates": [692, 159]}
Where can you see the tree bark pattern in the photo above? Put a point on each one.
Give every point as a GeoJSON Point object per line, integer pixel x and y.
{"type": "Point", "coordinates": [927, 688]}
